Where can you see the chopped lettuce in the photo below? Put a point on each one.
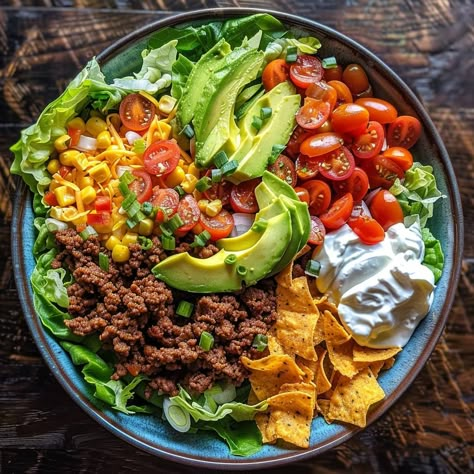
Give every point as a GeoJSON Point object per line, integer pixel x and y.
{"type": "Point", "coordinates": [277, 49]}
{"type": "Point", "coordinates": [434, 257]}
{"type": "Point", "coordinates": [180, 72]}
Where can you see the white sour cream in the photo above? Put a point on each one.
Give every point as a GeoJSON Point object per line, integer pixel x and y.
{"type": "Point", "coordinates": [382, 291]}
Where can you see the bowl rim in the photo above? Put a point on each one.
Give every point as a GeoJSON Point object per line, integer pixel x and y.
{"type": "Point", "coordinates": [51, 358]}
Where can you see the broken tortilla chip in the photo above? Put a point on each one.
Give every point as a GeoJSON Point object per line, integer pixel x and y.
{"type": "Point", "coordinates": [367, 354]}
{"type": "Point", "coordinates": [321, 378]}
{"type": "Point", "coordinates": [334, 331]}
{"type": "Point", "coordinates": [341, 358]}
{"type": "Point", "coordinates": [274, 346]}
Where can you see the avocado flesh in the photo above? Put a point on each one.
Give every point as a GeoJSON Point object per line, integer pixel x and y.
{"type": "Point", "coordinates": [212, 274]}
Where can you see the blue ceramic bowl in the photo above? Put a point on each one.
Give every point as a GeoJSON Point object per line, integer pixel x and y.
{"type": "Point", "coordinates": [205, 450]}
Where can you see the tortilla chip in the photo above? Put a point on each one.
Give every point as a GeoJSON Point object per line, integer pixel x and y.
{"type": "Point", "coordinates": [307, 387]}
{"type": "Point", "coordinates": [274, 346]}
{"type": "Point", "coordinates": [367, 354]}
{"type": "Point", "coordinates": [376, 367]}
{"type": "Point", "coordinates": [324, 305]}
{"type": "Point", "coordinates": [341, 358]}
{"type": "Point", "coordinates": [321, 379]}
{"type": "Point", "coordinates": [318, 335]}
{"type": "Point", "coordinates": [270, 373]}
{"type": "Point", "coordinates": [304, 366]}
{"type": "Point", "coordinates": [352, 398]}
{"type": "Point", "coordinates": [389, 363]}
{"type": "Point", "coordinates": [334, 331]}
{"type": "Point", "coordinates": [323, 408]}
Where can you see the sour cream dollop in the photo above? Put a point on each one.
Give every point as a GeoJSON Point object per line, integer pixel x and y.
{"type": "Point", "coordinates": [382, 291]}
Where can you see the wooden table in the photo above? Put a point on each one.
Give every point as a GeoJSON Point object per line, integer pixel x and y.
{"type": "Point", "coordinates": [428, 43]}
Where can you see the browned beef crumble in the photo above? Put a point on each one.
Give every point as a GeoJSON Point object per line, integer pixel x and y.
{"type": "Point", "coordinates": [134, 314]}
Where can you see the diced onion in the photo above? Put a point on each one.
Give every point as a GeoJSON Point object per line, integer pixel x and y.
{"type": "Point", "coordinates": [121, 170]}
{"type": "Point", "coordinates": [176, 416]}
{"type": "Point", "coordinates": [132, 137]}
{"type": "Point", "coordinates": [55, 225]}
{"type": "Point", "coordinates": [242, 223]}
{"type": "Point", "coordinates": [86, 144]}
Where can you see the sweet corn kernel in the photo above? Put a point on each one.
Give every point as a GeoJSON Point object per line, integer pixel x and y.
{"type": "Point", "coordinates": [66, 157]}
{"type": "Point", "coordinates": [54, 185]}
{"type": "Point", "coordinates": [129, 238]}
{"type": "Point", "coordinates": [189, 183]}
{"type": "Point", "coordinates": [65, 196]}
{"type": "Point", "coordinates": [164, 130]}
{"type": "Point", "coordinates": [95, 125]}
{"type": "Point", "coordinates": [77, 123]}
{"type": "Point", "coordinates": [213, 208]}
{"type": "Point", "coordinates": [175, 177]}
{"type": "Point", "coordinates": [145, 227]}
{"type": "Point", "coordinates": [104, 140]}
{"type": "Point", "coordinates": [202, 203]}
{"type": "Point", "coordinates": [193, 169]}
{"type": "Point", "coordinates": [53, 166]}
{"type": "Point", "coordinates": [166, 104]}
{"type": "Point", "coordinates": [96, 113]}
{"type": "Point", "coordinates": [85, 181]}
{"type": "Point", "coordinates": [112, 241]}
{"type": "Point", "coordinates": [62, 143]}
{"type": "Point", "coordinates": [88, 194]}
{"type": "Point", "coordinates": [120, 253]}
{"type": "Point", "coordinates": [80, 223]}
{"type": "Point", "coordinates": [113, 156]}
{"type": "Point", "coordinates": [100, 172]}
{"type": "Point", "coordinates": [80, 162]}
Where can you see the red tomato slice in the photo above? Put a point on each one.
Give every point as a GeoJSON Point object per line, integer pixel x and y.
{"type": "Point", "coordinates": [317, 232]}
{"type": "Point", "coordinates": [369, 143]}
{"type": "Point", "coordinates": [275, 72]}
{"type": "Point", "coordinates": [219, 226]}
{"type": "Point", "coordinates": [284, 168]}
{"type": "Point", "coordinates": [298, 136]}
{"type": "Point", "coordinates": [338, 213]}
{"type": "Point", "coordinates": [379, 110]}
{"type": "Point", "coordinates": [357, 184]}
{"type": "Point", "coordinates": [382, 171]}
{"type": "Point", "coordinates": [404, 131]}
{"type": "Point", "coordinates": [349, 117]}
{"type": "Point", "coordinates": [306, 167]}
{"type": "Point", "coordinates": [189, 212]}
{"type": "Point", "coordinates": [302, 193]}
{"type": "Point", "coordinates": [323, 91]}
{"type": "Point", "coordinates": [219, 190]}
{"type": "Point", "coordinates": [242, 196]}
{"type": "Point", "coordinates": [141, 185]}
{"type": "Point", "coordinates": [321, 143]}
{"type": "Point", "coordinates": [161, 157]}
{"type": "Point", "coordinates": [50, 199]}
{"type": "Point", "coordinates": [319, 196]}
{"type": "Point", "coordinates": [75, 134]}
{"type": "Point", "coordinates": [103, 204]}
{"type": "Point", "coordinates": [338, 164]}
{"type": "Point", "coordinates": [306, 71]}
{"type": "Point", "coordinates": [136, 112]}
{"type": "Point", "coordinates": [313, 113]}
{"type": "Point", "coordinates": [401, 156]}
{"type": "Point", "coordinates": [386, 209]}
{"type": "Point", "coordinates": [368, 230]}
{"type": "Point", "coordinates": [167, 200]}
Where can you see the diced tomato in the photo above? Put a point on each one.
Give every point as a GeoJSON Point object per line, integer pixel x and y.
{"type": "Point", "coordinates": [370, 142]}
{"type": "Point", "coordinates": [141, 185]}
{"type": "Point", "coordinates": [339, 213]}
{"type": "Point", "coordinates": [103, 204]}
{"type": "Point", "coordinates": [50, 199]}
{"type": "Point", "coordinates": [306, 71]}
{"type": "Point", "coordinates": [275, 72]}
{"type": "Point", "coordinates": [284, 168]}
{"type": "Point", "coordinates": [386, 209]}
{"type": "Point", "coordinates": [166, 200]}
{"type": "Point", "coordinates": [357, 184]}
{"type": "Point", "coordinates": [75, 134]}
{"type": "Point", "coordinates": [313, 113]}
{"type": "Point", "coordinates": [368, 230]}
{"type": "Point", "coordinates": [161, 157]}
{"type": "Point", "coordinates": [242, 196]}
{"type": "Point", "coordinates": [189, 212]}
{"type": "Point", "coordinates": [337, 165]}
{"type": "Point", "coordinates": [219, 226]}
{"type": "Point", "coordinates": [404, 131]}
{"type": "Point", "coordinates": [98, 218]}
{"type": "Point", "coordinates": [136, 112]}
{"type": "Point", "coordinates": [317, 232]}
{"type": "Point", "coordinates": [319, 196]}
{"type": "Point", "coordinates": [64, 171]}
{"type": "Point", "coordinates": [399, 155]}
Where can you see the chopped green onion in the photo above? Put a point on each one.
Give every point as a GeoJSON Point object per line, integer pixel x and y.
{"type": "Point", "coordinates": [257, 123]}
{"type": "Point", "coordinates": [216, 175]}
{"type": "Point", "coordinates": [229, 167]}
{"type": "Point", "coordinates": [164, 230]}
{"type": "Point", "coordinates": [291, 54]}
{"type": "Point", "coordinates": [265, 113]}
{"type": "Point", "coordinates": [130, 199]}
{"type": "Point", "coordinates": [103, 261]}
{"type": "Point", "coordinates": [203, 184]}
{"type": "Point", "coordinates": [127, 178]}
{"type": "Point", "coordinates": [276, 150]}
{"type": "Point", "coordinates": [123, 188]}
{"type": "Point", "coordinates": [147, 208]}
{"type": "Point", "coordinates": [145, 242]}
{"type": "Point", "coordinates": [230, 259]}
{"type": "Point", "coordinates": [188, 131]}
{"type": "Point", "coordinates": [179, 189]}
{"type": "Point", "coordinates": [312, 268]}
{"type": "Point", "coordinates": [329, 63]}
{"type": "Point", "coordinates": [242, 270]}
{"type": "Point", "coordinates": [176, 416]}
{"type": "Point", "coordinates": [201, 239]}
{"type": "Point", "coordinates": [185, 309]}
{"type": "Point", "coordinates": [260, 342]}
{"type": "Point", "coordinates": [174, 223]}
{"type": "Point", "coordinates": [87, 232]}
{"type": "Point", "coordinates": [168, 242]}
{"type": "Point", "coordinates": [132, 221]}
{"type": "Point", "coordinates": [220, 159]}
{"type": "Point", "coordinates": [139, 146]}
{"type": "Point", "coordinates": [206, 341]}
{"type": "Point", "coordinates": [259, 226]}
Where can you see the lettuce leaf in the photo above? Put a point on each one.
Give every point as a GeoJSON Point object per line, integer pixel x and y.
{"type": "Point", "coordinates": [434, 256]}
{"type": "Point", "coordinates": [277, 49]}
{"type": "Point", "coordinates": [180, 72]}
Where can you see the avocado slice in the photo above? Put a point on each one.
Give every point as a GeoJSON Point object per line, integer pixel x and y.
{"type": "Point", "coordinates": [278, 186]}
{"type": "Point", "coordinates": [212, 274]}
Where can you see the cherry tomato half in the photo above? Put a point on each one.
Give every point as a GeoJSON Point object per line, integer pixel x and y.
{"type": "Point", "coordinates": [306, 167]}
{"type": "Point", "coordinates": [298, 136]}
{"type": "Point", "coordinates": [317, 232]}
{"type": "Point", "coordinates": [333, 73]}
{"type": "Point", "coordinates": [274, 73]}
{"type": "Point", "coordinates": [284, 168]}
{"type": "Point", "coordinates": [161, 157]}
{"type": "Point", "coordinates": [323, 91]}
{"type": "Point", "coordinates": [368, 230]}
{"type": "Point", "coordinates": [219, 190]}
{"type": "Point", "coordinates": [313, 113]}
{"type": "Point", "coordinates": [401, 156]}
{"type": "Point", "coordinates": [302, 193]}
{"type": "Point", "coordinates": [382, 171]}
{"type": "Point", "coordinates": [344, 95]}
{"type": "Point", "coordinates": [386, 209]}
{"type": "Point", "coordinates": [167, 200]}
{"type": "Point", "coordinates": [242, 196]}
{"type": "Point", "coordinates": [321, 143]}
{"type": "Point", "coordinates": [404, 131]}
{"type": "Point", "coordinates": [355, 78]}
{"type": "Point", "coordinates": [337, 164]}
{"type": "Point", "coordinates": [369, 143]}
{"type": "Point", "coordinates": [306, 71]}
{"type": "Point", "coordinates": [349, 117]}
{"type": "Point", "coordinates": [338, 213]}
{"type": "Point", "coordinates": [189, 212]}
{"type": "Point", "coordinates": [219, 226]}
{"type": "Point", "coordinates": [379, 110]}
{"type": "Point", "coordinates": [357, 184]}
{"type": "Point", "coordinates": [136, 112]}
{"type": "Point", "coordinates": [319, 196]}
{"type": "Point", "coordinates": [141, 185]}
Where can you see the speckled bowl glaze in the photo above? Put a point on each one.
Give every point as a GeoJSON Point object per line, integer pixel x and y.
{"type": "Point", "coordinates": [205, 450]}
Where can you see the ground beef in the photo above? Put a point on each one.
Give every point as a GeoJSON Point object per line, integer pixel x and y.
{"type": "Point", "coordinates": [134, 315]}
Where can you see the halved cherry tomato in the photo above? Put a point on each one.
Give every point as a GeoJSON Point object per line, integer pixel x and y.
{"type": "Point", "coordinates": [404, 131]}
{"type": "Point", "coordinates": [219, 226]}
{"type": "Point", "coordinates": [141, 185]}
{"type": "Point", "coordinates": [136, 112]}
{"type": "Point", "coordinates": [313, 113]}
{"type": "Point", "coordinates": [242, 196]}
{"type": "Point", "coordinates": [99, 218]}
{"type": "Point", "coordinates": [401, 156]}
{"type": "Point", "coordinates": [369, 143]}
{"type": "Point", "coordinates": [219, 190]}
{"type": "Point", "coordinates": [379, 110]}
{"type": "Point", "coordinates": [189, 212]}
{"type": "Point", "coordinates": [357, 184]}
{"type": "Point", "coordinates": [306, 71]}
{"type": "Point", "coordinates": [333, 73]}
{"type": "Point", "coordinates": [323, 91]}
{"type": "Point", "coordinates": [298, 136]}
{"type": "Point", "coordinates": [275, 72]}
{"type": "Point", "coordinates": [321, 143]}
{"type": "Point", "coordinates": [284, 168]}
{"type": "Point", "coordinates": [338, 213]}
{"type": "Point", "coordinates": [306, 167]}
{"type": "Point", "coordinates": [317, 232]}
{"type": "Point", "coordinates": [302, 193]}
{"type": "Point", "coordinates": [326, 127]}
{"type": "Point", "coordinates": [368, 230]}
{"type": "Point", "coordinates": [344, 95]}
{"type": "Point", "coordinates": [319, 196]}
{"type": "Point", "coordinates": [382, 171]}
{"type": "Point", "coordinates": [75, 134]}
{"type": "Point", "coordinates": [161, 157]}
{"type": "Point", "coordinates": [337, 164]}
{"type": "Point", "coordinates": [103, 204]}
{"type": "Point", "coordinates": [167, 200]}
{"type": "Point", "coordinates": [50, 198]}
{"type": "Point", "coordinates": [355, 78]}
{"type": "Point", "coordinates": [386, 209]}
{"type": "Point", "coordinates": [349, 117]}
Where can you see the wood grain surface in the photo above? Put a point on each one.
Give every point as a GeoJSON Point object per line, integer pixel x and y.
{"type": "Point", "coordinates": [43, 44]}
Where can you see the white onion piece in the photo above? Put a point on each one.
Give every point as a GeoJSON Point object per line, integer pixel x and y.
{"type": "Point", "coordinates": [132, 137]}
{"type": "Point", "coordinates": [86, 144]}
{"type": "Point", "coordinates": [242, 223]}
{"type": "Point", "coordinates": [120, 169]}
{"type": "Point", "coordinates": [54, 225]}
{"type": "Point", "coordinates": [368, 198]}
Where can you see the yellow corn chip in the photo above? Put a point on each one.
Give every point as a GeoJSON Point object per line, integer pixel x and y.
{"type": "Point", "coordinates": [308, 372]}
{"type": "Point", "coordinates": [321, 379]}
{"type": "Point", "coordinates": [274, 346]}
{"type": "Point", "coordinates": [376, 367]}
{"type": "Point", "coordinates": [367, 354]}
{"type": "Point", "coordinates": [389, 363]}
{"type": "Point", "coordinates": [333, 330]}
{"type": "Point", "coordinates": [323, 408]}
{"type": "Point", "coordinates": [341, 358]}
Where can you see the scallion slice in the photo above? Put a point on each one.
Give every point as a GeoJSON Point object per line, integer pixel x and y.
{"type": "Point", "coordinates": [87, 232]}
{"type": "Point", "coordinates": [276, 150]}
{"type": "Point", "coordinates": [230, 259]}
{"type": "Point", "coordinates": [260, 342]}
{"type": "Point", "coordinates": [185, 309]}
{"type": "Point", "coordinates": [203, 184]}
{"type": "Point", "coordinates": [216, 175]}
{"type": "Point", "coordinates": [127, 178]}
{"type": "Point", "coordinates": [103, 261]}
{"type": "Point", "coordinates": [206, 341]}
{"type": "Point", "coordinates": [229, 167]}
{"type": "Point", "coordinates": [201, 239]}
{"type": "Point", "coordinates": [168, 242]}
{"type": "Point", "coordinates": [139, 146]}
{"type": "Point", "coordinates": [145, 242]}
{"type": "Point", "coordinates": [220, 159]}
{"type": "Point", "coordinates": [179, 189]}
{"type": "Point", "coordinates": [257, 123]}
{"type": "Point", "coordinates": [174, 223]}
{"type": "Point", "coordinates": [291, 54]}
{"type": "Point", "coordinates": [147, 208]}
{"type": "Point", "coordinates": [242, 270]}
{"type": "Point", "coordinates": [123, 188]}
{"type": "Point", "coordinates": [178, 418]}
{"type": "Point", "coordinates": [312, 268]}
{"type": "Point", "coordinates": [265, 113]}
{"type": "Point", "coordinates": [188, 131]}
{"type": "Point", "coordinates": [129, 199]}
{"type": "Point", "coordinates": [329, 63]}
